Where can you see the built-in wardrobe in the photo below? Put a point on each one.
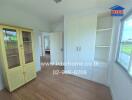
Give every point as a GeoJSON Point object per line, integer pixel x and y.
{"type": "Point", "coordinates": [87, 45]}
{"type": "Point", "coordinates": [16, 56]}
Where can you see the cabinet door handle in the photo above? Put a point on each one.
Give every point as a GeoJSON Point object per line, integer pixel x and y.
{"type": "Point", "coordinates": [80, 48]}
{"type": "Point", "coordinates": [21, 45]}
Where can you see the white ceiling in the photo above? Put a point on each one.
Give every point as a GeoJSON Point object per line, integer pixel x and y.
{"type": "Point", "coordinates": [50, 11]}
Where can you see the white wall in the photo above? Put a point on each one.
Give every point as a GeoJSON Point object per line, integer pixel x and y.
{"type": "Point", "coordinates": [120, 82]}
{"type": "Point", "coordinates": [58, 26]}
{"type": "Point", "coordinates": [15, 16]}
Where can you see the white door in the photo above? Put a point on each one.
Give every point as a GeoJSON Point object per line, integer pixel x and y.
{"type": "Point", "coordinates": [56, 45]}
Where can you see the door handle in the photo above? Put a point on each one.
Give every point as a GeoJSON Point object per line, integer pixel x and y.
{"type": "Point", "coordinates": [78, 49]}
{"type": "Point", "coordinates": [21, 45]}
{"type": "Point", "coordinates": [62, 49]}
{"type": "Point", "coordinates": [24, 72]}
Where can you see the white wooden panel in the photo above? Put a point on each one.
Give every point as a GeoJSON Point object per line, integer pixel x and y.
{"type": "Point", "coordinates": [56, 47]}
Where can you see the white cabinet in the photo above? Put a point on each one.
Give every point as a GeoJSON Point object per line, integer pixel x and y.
{"type": "Point", "coordinates": [79, 41]}
{"type": "Point", "coordinates": [87, 40]}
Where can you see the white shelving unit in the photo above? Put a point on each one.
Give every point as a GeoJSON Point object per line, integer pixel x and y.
{"type": "Point", "coordinates": [102, 48]}
{"type": "Point", "coordinates": [103, 37]}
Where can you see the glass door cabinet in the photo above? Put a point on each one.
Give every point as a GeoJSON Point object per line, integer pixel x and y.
{"type": "Point", "coordinates": [27, 42]}
{"type": "Point", "coordinates": [17, 56]}
{"type": "Point", "coordinates": [11, 47]}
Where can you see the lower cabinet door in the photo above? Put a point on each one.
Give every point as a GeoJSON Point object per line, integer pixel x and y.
{"type": "Point", "coordinates": [29, 72]}
{"type": "Point", "coordinates": [15, 78]}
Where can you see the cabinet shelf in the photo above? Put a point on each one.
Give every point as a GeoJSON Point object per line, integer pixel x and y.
{"type": "Point", "coordinates": [28, 53]}
{"type": "Point", "coordinates": [102, 46]}
{"type": "Point", "coordinates": [10, 41]}
{"type": "Point", "coordinates": [12, 55]}
{"type": "Point", "coordinates": [105, 29]}
{"type": "Point", "coordinates": [11, 48]}
{"type": "Point", "coordinates": [100, 64]}
{"type": "Point", "coordinates": [27, 41]}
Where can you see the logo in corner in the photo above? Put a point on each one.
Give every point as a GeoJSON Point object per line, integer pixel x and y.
{"type": "Point", "coordinates": [117, 10]}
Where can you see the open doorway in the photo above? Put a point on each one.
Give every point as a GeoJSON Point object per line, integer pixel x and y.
{"type": "Point", "coordinates": [45, 46]}
{"type": "Point", "coordinates": [46, 58]}
{"type": "Point", "coordinates": [52, 49]}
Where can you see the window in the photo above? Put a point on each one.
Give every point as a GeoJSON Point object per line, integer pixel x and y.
{"type": "Point", "coordinates": [124, 57]}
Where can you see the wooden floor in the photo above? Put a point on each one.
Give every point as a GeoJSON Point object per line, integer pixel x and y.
{"type": "Point", "coordinates": [45, 59]}
{"type": "Point", "coordinates": [60, 87]}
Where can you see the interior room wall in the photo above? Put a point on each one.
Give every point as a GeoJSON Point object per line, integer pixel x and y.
{"type": "Point", "coordinates": [14, 16]}
{"type": "Point", "coordinates": [120, 82]}
{"type": "Point", "coordinates": [58, 26]}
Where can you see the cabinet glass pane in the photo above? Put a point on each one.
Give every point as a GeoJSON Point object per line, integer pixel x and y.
{"type": "Point", "coordinates": [27, 42]}
{"type": "Point", "coordinates": [11, 47]}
